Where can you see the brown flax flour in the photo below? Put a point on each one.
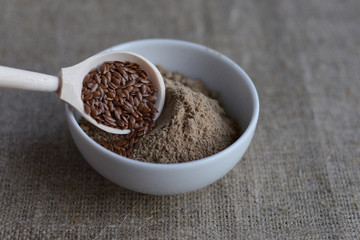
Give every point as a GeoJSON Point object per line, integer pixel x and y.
{"type": "Point", "coordinates": [191, 126]}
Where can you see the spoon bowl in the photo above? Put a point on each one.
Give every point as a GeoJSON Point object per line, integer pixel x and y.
{"type": "Point", "coordinates": [70, 90]}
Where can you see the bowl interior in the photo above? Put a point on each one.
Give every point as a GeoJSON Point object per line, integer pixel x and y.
{"type": "Point", "coordinates": [218, 72]}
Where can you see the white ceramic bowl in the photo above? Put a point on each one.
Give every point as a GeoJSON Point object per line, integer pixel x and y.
{"type": "Point", "coordinates": [219, 73]}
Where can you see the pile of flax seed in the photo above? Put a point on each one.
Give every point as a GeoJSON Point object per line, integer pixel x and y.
{"type": "Point", "coordinates": [120, 95]}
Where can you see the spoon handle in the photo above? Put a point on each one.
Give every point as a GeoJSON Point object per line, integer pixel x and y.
{"type": "Point", "coordinates": [27, 80]}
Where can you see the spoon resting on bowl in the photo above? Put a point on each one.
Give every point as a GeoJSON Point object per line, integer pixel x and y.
{"type": "Point", "coordinates": [69, 83]}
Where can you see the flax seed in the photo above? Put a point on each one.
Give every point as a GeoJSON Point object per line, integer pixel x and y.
{"type": "Point", "coordinates": [120, 95]}
{"type": "Point", "coordinates": [152, 98]}
{"type": "Point", "coordinates": [126, 93]}
{"type": "Point", "coordinates": [88, 97]}
{"type": "Point", "coordinates": [87, 109]}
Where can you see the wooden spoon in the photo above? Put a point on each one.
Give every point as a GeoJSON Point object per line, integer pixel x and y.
{"type": "Point", "coordinates": [68, 84]}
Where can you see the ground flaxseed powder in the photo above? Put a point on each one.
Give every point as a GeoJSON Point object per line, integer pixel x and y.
{"type": "Point", "coordinates": [191, 126]}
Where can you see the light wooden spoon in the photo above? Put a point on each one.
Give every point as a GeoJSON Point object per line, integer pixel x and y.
{"type": "Point", "coordinates": [68, 84]}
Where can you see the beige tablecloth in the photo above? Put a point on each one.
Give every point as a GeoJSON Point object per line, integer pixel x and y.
{"type": "Point", "coordinates": [300, 178]}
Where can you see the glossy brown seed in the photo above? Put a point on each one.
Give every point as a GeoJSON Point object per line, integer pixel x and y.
{"type": "Point", "coordinates": [89, 96]}
{"type": "Point", "coordinates": [117, 75]}
{"type": "Point", "coordinates": [126, 93]}
{"type": "Point", "coordinates": [94, 112]}
{"type": "Point", "coordinates": [101, 90]}
{"type": "Point", "coordinates": [111, 106]}
{"type": "Point", "coordinates": [107, 113]}
{"type": "Point", "coordinates": [86, 78]}
{"type": "Point", "coordinates": [126, 108]}
{"type": "Point", "coordinates": [118, 92]}
{"type": "Point", "coordinates": [131, 82]}
{"type": "Point", "coordinates": [112, 85]}
{"type": "Point", "coordinates": [116, 147]}
{"type": "Point", "coordinates": [101, 107]}
{"type": "Point", "coordinates": [143, 89]}
{"type": "Point", "coordinates": [125, 76]}
{"type": "Point", "coordinates": [135, 89]}
{"type": "Point", "coordinates": [141, 106]}
{"type": "Point", "coordinates": [109, 118]}
{"type": "Point", "coordinates": [121, 100]}
{"type": "Point", "coordinates": [145, 81]}
{"type": "Point", "coordinates": [121, 70]}
{"type": "Point", "coordinates": [105, 106]}
{"type": "Point", "coordinates": [129, 88]}
{"type": "Point", "coordinates": [120, 123]}
{"type": "Point", "coordinates": [103, 68]}
{"type": "Point", "coordinates": [123, 82]}
{"type": "Point", "coordinates": [152, 98]}
{"type": "Point", "coordinates": [117, 103]}
{"type": "Point", "coordinates": [146, 109]}
{"type": "Point", "coordinates": [134, 113]}
{"type": "Point", "coordinates": [87, 109]}
{"type": "Point", "coordinates": [108, 76]}
{"type": "Point", "coordinates": [103, 142]}
{"type": "Point", "coordinates": [136, 101]}
{"type": "Point", "coordinates": [152, 88]}
{"type": "Point", "coordinates": [117, 114]}
{"type": "Point", "coordinates": [94, 87]}
{"type": "Point", "coordinates": [135, 76]}
{"type": "Point", "coordinates": [123, 149]}
{"type": "Point", "coordinates": [116, 81]}
{"type": "Point", "coordinates": [97, 79]}
{"type": "Point", "coordinates": [96, 94]}
{"type": "Point", "coordinates": [143, 73]}
{"type": "Point", "coordinates": [86, 92]}
{"type": "Point", "coordinates": [111, 95]}
{"type": "Point", "coordinates": [131, 100]}
{"type": "Point", "coordinates": [127, 103]}
{"type": "Point", "coordinates": [132, 141]}
{"type": "Point", "coordinates": [128, 152]}
{"type": "Point", "coordinates": [139, 96]}
{"type": "Point", "coordinates": [130, 70]}
{"type": "Point", "coordinates": [89, 84]}
{"type": "Point", "coordinates": [92, 102]}
{"type": "Point", "coordinates": [132, 120]}
{"type": "Point", "coordinates": [150, 105]}
{"type": "Point", "coordinates": [124, 118]}
{"type": "Point", "coordinates": [141, 122]}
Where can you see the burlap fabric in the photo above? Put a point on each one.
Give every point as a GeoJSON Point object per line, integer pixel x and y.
{"type": "Point", "coordinates": [299, 179]}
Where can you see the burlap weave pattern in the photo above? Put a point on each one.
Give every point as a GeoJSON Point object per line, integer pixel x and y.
{"type": "Point", "coordinates": [300, 178]}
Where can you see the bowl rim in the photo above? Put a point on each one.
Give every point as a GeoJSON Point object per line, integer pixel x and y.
{"type": "Point", "coordinates": [251, 126]}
